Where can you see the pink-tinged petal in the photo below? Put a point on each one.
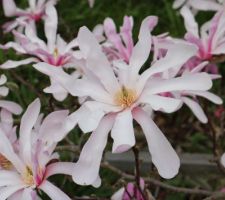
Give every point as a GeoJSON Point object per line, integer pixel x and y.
{"type": "Point", "coordinates": [205, 5]}
{"type": "Point", "coordinates": [86, 170]}
{"type": "Point", "coordinates": [160, 103]}
{"type": "Point", "coordinates": [189, 21]}
{"type": "Point", "coordinates": [126, 33]}
{"type": "Point", "coordinates": [163, 155]}
{"type": "Point", "coordinates": [65, 168]}
{"type": "Point", "coordinates": [53, 192]}
{"type": "Point", "coordinates": [113, 37]}
{"type": "Point", "coordinates": [96, 60]}
{"type": "Point", "coordinates": [16, 196]}
{"type": "Point", "coordinates": [9, 8]}
{"type": "Point", "coordinates": [72, 119]}
{"type": "Point", "coordinates": [61, 44]}
{"type": "Point", "coordinates": [53, 128]}
{"type": "Point", "coordinates": [51, 23]}
{"type": "Point", "coordinates": [93, 89]}
{"type": "Point", "coordinates": [195, 82]}
{"type": "Point", "coordinates": [33, 38]}
{"type": "Point", "coordinates": [4, 91]}
{"type": "Point", "coordinates": [199, 67]}
{"type": "Point", "coordinates": [6, 116]}
{"type": "Point", "coordinates": [98, 31]}
{"type": "Point", "coordinates": [196, 109]}
{"type": "Point", "coordinates": [7, 151]}
{"type": "Point", "coordinates": [57, 74]}
{"type": "Point", "coordinates": [217, 30]}
{"type": "Point", "coordinates": [118, 195]}
{"type": "Point", "coordinates": [9, 26]}
{"type": "Point", "coordinates": [142, 49]}
{"type": "Point", "coordinates": [6, 192]}
{"type": "Point", "coordinates": [13, 64]}
{"type": "Point", "coordinates": [27, 123]}
{"type": "Point", "coordinates": [208, 95]}
{"type": "Point", "coordinates": [32, 4]}
{"type": "Point", "coordinates": [11, 107]}
{"type": "Point", "coordinates": [17, 47]}
{"type": "Point", "coordinates": [91, 113]}
{"type": "Point", "coordinates": [28, 194]}
{"type": "Point", "coordinates": [58, 92]}
{"type": "Point", "coordinates": [123, 132]}
{"type": "Point", "coordinates": [222, 160]}
{"type": "Point", "coordinates": [176, 56]}
{"type": "Point", "coordinates": [71, 45]}
{"type": "Point", "coordinates": [9, 178]}
{"type": "Point", "coordinates": [3, 79]}
{"type": "Point", "coordinates": [219, 49]}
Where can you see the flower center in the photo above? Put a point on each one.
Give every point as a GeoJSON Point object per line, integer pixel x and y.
{"type": "Point", "coordinates": [125, 97]}
{"type": "Point", "coordinates": [56, 53]}
{"type": "Point", "coordinates": [28, 177]}
{"type": "Point", "coordinates": [5, 163]}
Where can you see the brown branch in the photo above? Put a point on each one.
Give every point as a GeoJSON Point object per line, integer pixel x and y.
{"type": "Point", "coordinates": [215, 148]}
{"type": "Point", "coordinates": [137, 171]}
{"type": "Point", "coordinates": [159, 183]}
{"type": "Point", "coordinates": [21, 80]}
{"type": "Point", "coordinates": [216, 196]}
{"type": "Point", "coordinates": [71, 148]}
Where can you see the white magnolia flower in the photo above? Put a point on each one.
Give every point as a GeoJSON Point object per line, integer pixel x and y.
{"type": "Point", "coordinates": [26, 167]}
{"type": "Point", "coordinates": [55, 52]}
{"type": "Point", "coordinates": [114, 100]}
{"type": "Point", "coordinates": [30, 15]}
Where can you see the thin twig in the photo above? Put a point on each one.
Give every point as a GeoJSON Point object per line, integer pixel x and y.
{"type": "Point", "coordinates": [72, 148]}
{"type": "Point", "coordinates": [216, 196]}
{"type": "Point", "coordinates": [137, 171]}
{"type": "Point", "coordinates": [21, 80]}
{"type": "Point", "coordinates": [159, 183]}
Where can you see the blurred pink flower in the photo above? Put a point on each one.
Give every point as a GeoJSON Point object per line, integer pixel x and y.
{"type": "Point", "coordinates": [131, 191]}
{"type": "Point", "coordinates": [189, 97]}
{"type": "Point", "coordinates": [114, 100]}
{"type": "Point", "coordinates": [30, 15]}
{"type": "Point", "coordinates": [198, 5]}
{"type": "Point", "coordinates": [219, 111]}
{"type": "Point", "coordinates": [55, 52]}
{"type": "Point", "coordinates": [119, 46]}
{"type": "Point", "coordinates": [210, 39]}
{"type": "Point", "coordinates": [29, 166]}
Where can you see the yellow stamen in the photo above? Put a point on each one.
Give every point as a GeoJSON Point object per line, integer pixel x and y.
{"type": "Point", "coordinates": [28, 177]}
{"type": "Point", "coordinates": [125, 97]}
{"type": "Point", "coordinates": [56, 53]}
{"type": "Point", "coordinates": [5, 163]}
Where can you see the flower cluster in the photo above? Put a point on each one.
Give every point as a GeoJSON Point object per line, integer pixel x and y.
{"type": "Point", "coordinates": [117, 81]}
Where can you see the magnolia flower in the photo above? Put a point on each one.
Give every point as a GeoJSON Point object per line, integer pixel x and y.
{"type": "Point", "coordinates": [30, 15]}
{"type": "Point", "coordinates": [115, 100]}
{"type": "Point", "coordinates": [196, 5]}
{"type": "Point", "coordinates": [55, 52]}
{"type": "Point", "coordinates": [26, 169]}
{"type": "Point", "coordinates": [189, 97]}
{"type": "Point", "coordinates": [210, 39]}
{"type": "Point", "coordinates": [130, 191]}
{"type": "Point", "coordinates": [119, 46]}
